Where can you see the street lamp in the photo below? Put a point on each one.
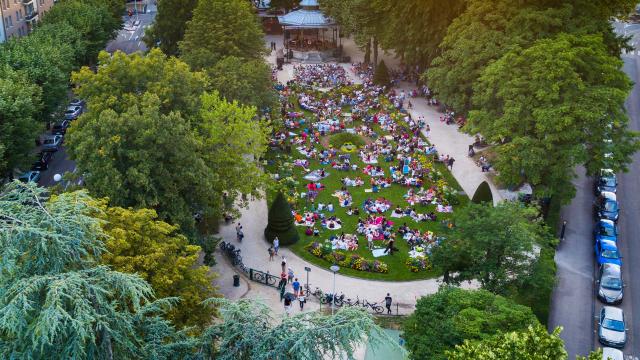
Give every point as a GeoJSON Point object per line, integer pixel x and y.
{"type": "Point", "coordinates": [307, 269]}
{"type": "Point", "coordinates": [334, 268]}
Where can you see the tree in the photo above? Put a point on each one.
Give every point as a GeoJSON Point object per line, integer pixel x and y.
{"type": "Point", "coordinates": [249, 331]}
{"type": "Point", "coordinates": [576, 113]}
{"type": "Point", "coordinates": [46, 61]}
{"type": "Point", "coordinates": [145, 159]}
{"type": "Point", "coordinates": [55, 302]}
{"type": "Point", "coordinates": [415, 28]}
{"type": "Point", "coordinates": [535, 343]}
{"type": "Point", "coordinates": [247, 81]}
{"type": "Point", "coordinates": [92, 21]}
{"type": "Point", "coordinates": [452, 315]}
{"type": "Point", "coordinates": [481, 35]}
{"type": "Point", "coordinates": [221, 28]}
{"type": "Point", "coordinates": [19, 105]}
{"type": "Point", "coordinates": [122, 80]}
{"type": "Point", "coordinates": [495, 245]}
{"type": "Point", "coordinates": [138, 243]}
{"type": "Point", "coordinates": [381, 76]}
{"type": "Point", "coordinates": [287, 5]}
{"type": "Point", "coordinates": [280, 222]}
{"type": "Point", "coordinates": [169, 25]}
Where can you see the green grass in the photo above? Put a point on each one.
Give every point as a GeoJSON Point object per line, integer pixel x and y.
{"type": "Point", "coordinates": [398, 271]}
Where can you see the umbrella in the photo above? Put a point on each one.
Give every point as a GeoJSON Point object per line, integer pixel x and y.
{"type": "Point", "coordinates": [289, 296]}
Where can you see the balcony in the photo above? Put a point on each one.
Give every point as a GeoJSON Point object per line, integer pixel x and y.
{"type": "Point", "coordinates": [31, 17]}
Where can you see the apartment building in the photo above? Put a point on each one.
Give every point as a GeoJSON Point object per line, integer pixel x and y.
{"type": "Point", "coordinates": [19, 16]}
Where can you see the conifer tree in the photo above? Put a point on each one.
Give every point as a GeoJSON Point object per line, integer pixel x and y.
{"type": "Point", "coordinates": [280, 222]}
{"type": "Point", "coordinates": [381, 76]}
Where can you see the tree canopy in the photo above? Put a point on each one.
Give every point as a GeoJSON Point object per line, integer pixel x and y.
{"type": "Point", "coordinates": [247, 81]}
{"type": "Point", "coordinates": [221, 28]}
{"type": "Point", "coordinates": [169, 25]}
{"type": "Point", "coordinates": [575, 112]}
{"type": "Point", "coordinates": [452, 315]}
{"type": "Point", "coordinates": [498, 245]}
{"type": "Point", "coordinates": [138, 243]}
{"type": "Point", "coordinates": [20, 102]}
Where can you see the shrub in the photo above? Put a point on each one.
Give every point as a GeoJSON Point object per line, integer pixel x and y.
{"type": "Point", "coordinates": [280, 222]}
{"type": "Point", "coordinates": [346, 260]}
{"type": "Point", "coordinates": [418, 264]}
{"type": "Point", "coordinates": [381, 76]}
{"type": "Point", "coordinates": [342, 138]}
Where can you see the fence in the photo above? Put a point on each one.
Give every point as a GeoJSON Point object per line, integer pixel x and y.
{"type": "Point", "coordinates": [264, 278]}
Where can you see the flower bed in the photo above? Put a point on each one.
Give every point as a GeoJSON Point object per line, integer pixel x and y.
{"type": "Point", "coordinates": [352, 261]}
{"type": "Point", "coordinates": [418, 264]}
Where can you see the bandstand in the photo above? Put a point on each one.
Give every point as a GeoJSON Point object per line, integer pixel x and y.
{"type": "Point", "coordinates": [308, 34]}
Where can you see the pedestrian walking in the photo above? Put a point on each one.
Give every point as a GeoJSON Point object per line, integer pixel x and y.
{"type": "Point", "coordinates": [564, 227]}
{"type": "Point", "coordinates": [239, 233]}
{"type": "Point", "coordinates": [427, 131]}
{"type": "Point", "coordinates": [302, 300]}
{"type": "Point", "coordinates": [287, 305]}
{"type": "Point", "coordinates": [276, 245]}
{"type": "Point", "coordinates": [387, 302]}
{"type": "Point", "coordinates": [450, 163]}
{"type": "Point", "coordinates": [271, 253]}
{"type": "Point", "coordinates": [296, 287]}
{"type": "Point", "coordinates": [290, 275]}
{"type": "Point", "coordinates": [284, 264]}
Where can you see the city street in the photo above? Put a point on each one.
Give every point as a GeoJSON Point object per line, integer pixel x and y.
{"type": "Point", "coordinates": [129, 40]}
{"type": "Point", "coordinates": [574, 303]}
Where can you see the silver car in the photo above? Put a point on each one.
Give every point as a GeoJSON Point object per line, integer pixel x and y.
{"type": "Point", "coordinates": [72, 112]}
{"type": "Point", "coordinates": [52, 142]}
{"type": "Point", "coordinates": [610, 285]}
{"type": "Point", "coordinates": [612, 354]}
{"type": "Point", "coordinates": [611, 327]}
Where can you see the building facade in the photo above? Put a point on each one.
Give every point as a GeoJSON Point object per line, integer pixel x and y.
{"type": "Point", "coordinates": [19, 16]}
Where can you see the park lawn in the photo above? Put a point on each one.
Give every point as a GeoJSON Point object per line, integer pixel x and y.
{"type": "Point", "coordinates": [398, 270]}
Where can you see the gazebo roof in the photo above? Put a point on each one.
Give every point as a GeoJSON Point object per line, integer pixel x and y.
{"type": "Point", "coordinates": [305, 18]}
{"type": "Point", "coordinates": [310, 3]}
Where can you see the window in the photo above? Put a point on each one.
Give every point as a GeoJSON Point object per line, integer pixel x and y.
{"type": "Point", "coordinates": [10, 21]}
{"type": "Point", "coordinates": [17, 16]}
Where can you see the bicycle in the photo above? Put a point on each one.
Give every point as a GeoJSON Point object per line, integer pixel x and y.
{"type": "Point", "coordinates": [378, 309]}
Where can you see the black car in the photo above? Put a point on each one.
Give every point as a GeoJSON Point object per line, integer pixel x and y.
{"type": "Point", "coordinates": [606, 181]}
{"type": "Point", "coordinates": [60, 128]}
{"type": "Point", "coordinates": [42, 161]}
{"type": "Point", "coordinates": [606, 206]}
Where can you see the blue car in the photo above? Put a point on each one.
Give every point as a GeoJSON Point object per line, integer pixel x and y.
{"type": "Point", "coordinates": [30, 176]}
{"type": "Point", "coordinates": [607, 252]}
{"type": "Point", "coordinates": [605, 230]}
{"type": "Point", "coordinates": [606, 181]}
{"type": "Point", "coordinates": [606, 206]}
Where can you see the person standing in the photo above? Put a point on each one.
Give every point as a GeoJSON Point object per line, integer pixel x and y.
{"type": "Point", "coordinates": [387, 302]}
{"type": "Point", "coordinates": [271, 253]}
{"type": "Point", "coordinates": [239, 233]}
{"type": "Point", "coordinates": [287, 305]}
{"type": "Point", "coordinates": [276, 245]}
{"type": "Point", "coordinates": [290, 275]}
{"type": "Point", "coordinates": [296, 287]}
{"type": "Point", "coordinates": [284, 264]}
{"type": "Point", "coordinates": [302, 300]}
{"type": "Point", "coordinates": [450, 163]}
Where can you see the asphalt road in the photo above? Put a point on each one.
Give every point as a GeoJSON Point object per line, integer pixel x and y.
{"type": "Point", "coordinates": [574, 302]}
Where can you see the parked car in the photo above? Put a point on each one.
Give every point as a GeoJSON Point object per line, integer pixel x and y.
{"type": "Point", "coordinates": [30, 176]}
{"type": "Point", "coordinates": [52, 142]}
{"type": "Point", "coordinates": [606, 181]}
{"type": "Point", "coordinates": [60, 128]}
{"type": "Point", "coordinates": [606, 206]}
{"type": "Point", "coordinates": [612, 354]}
{"type": "Point", "coordinates": [39, 165]}
{"type": "Point", "coordinates": [76, 102]}
{"type": "Point", "coordinates": [73, 112]}
{"type": "Point", "coordinates": [611, 327]}
{"type": "Point", "coordinates": [610, 284]}
{"type": "Point", "coordinates": [606, 230]}
{"type": "Point", "coordinates": [607, 252]}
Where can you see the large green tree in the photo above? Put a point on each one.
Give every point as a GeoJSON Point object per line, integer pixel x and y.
{"type": "Point", "coordinates": [452, 315]}
{"type": "Point", "coordinates": [498, 246]}
{"type": "Point", "coordinates": [138, 243]}
{"type": "Point", "coordinates": [169, 25]}
{"type": "Point", "coordinates": [92, 21]}
{"type": "Point", "coordinates": [481, 35]}
{"type": "Point", "coordinates": [19, 105]}
{"type": "Point", "coordinates": [143, 158]}
{"type": "Point", "coordinates": [247, 81]}
{"type": "Point", "coordinates": [551, 107]}
{"type": "Point", "coordinates": [221, 28]}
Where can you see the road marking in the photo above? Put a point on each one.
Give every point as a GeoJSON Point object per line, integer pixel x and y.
{"type": "Point", "coordinates": [139, 44]}
{"type": "Point", "coordinates": [136, 37]}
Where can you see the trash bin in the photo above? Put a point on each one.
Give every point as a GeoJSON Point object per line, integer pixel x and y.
{"type": "Point", "coordinates": [236, 280]}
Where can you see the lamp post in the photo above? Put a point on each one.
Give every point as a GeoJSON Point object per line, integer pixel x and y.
{"type": "Point", "coordinates": [307, 269]}
{"type": "Point", "coordinates": [334, 268]}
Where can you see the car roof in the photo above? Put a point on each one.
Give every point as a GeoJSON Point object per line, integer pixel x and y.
{"type": "Point", "coordinates": [608, 244]}
{"type": "Point", "coordinates": [614, 313]}
{"type": "Point", "coordinates": [611, 353]}
{"type": "Point", "coordinates": [609, 195]}
{"type": "Point", "coordinates": [606, 222]}
{"type": "Point", "coordinates": [611, 268]}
